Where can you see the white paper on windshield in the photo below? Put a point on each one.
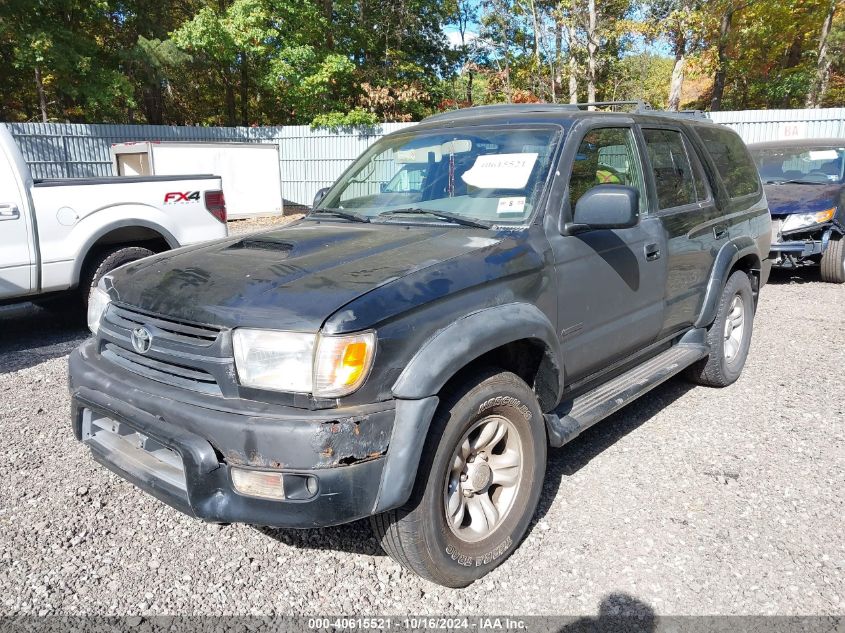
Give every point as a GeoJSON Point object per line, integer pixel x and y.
{"type": "Point", "coordinates": [500, 171]}
{"type": "Point", "coordinates": [823, 154]}
{"type": "Point", "coordinates": [511, 205]}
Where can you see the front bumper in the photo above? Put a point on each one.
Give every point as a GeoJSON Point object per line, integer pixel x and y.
{"type": "Point", "coordinates": [797, 248]}
{"type": "Point", "coordinates": [343, 450]}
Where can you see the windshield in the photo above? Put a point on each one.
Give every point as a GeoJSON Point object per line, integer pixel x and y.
{"type": "Point", "coordinates": [493, 175]}
{"type": "Point", "coordinates": [806, 164]}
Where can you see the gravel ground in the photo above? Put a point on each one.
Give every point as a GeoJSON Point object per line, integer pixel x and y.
{"type": "Point", "coordinates": [691, 501]}
{"type": "Point", "coordinates": [248, 225]}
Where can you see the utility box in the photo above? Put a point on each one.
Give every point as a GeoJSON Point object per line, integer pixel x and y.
{"type": "Point", "coordinates": [252, 181]}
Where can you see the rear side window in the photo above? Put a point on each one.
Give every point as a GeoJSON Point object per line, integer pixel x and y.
{"type": "Point", "coordinates": [732, 161]}
{"type": "Point", "coordinates": [674, 177]}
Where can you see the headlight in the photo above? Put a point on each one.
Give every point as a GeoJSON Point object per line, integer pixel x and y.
{"type": "Point", "coordinates": [326, 366]}
{"type": "Point", "coordinates": [281, 361]}
{"type": "Point", "coordinates": [98, 301]}
{"type": "Point", "coordinates": [802, 220]}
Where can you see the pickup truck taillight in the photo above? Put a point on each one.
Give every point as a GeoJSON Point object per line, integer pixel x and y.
{"type": "Point", "coordinates": [215, 203]}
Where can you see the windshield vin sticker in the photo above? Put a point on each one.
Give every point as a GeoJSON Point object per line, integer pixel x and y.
{"type": "Point", "coordinates": [511, 205]}
{"type": "Point", "coordinates": [500, 171]}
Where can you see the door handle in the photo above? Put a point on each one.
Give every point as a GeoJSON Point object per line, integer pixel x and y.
{"type": "Point", "coordinates": [720, 231]}
{"type": "Point", "coordinates": [652, 252]}
{"type": "Point", "coordinates": [9, 212]}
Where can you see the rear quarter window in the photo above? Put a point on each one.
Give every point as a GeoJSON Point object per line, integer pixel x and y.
{"type": "Point", "coordinates": [732, 160]}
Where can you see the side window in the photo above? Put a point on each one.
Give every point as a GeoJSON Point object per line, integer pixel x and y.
{"type": "Point", "coordinates": [732, 160]}
{"type": "Point", "coordinates": [606, 156]}
{"type": "Point", "coordinates": [674, 178]}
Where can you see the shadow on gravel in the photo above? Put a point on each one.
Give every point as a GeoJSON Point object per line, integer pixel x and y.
{"type": "Point", "coordinates": [617, 612]}
{"type": "Point", "coordinates": [357, 538]}
{"type": "Point", "coordinates": [572, 457]}
{"type": "Point", "coordinates": [353, 538]}
{"type": "Point", "coordinates": [803, 275]}
{"type": "Point", "coordinates": [30, 336]}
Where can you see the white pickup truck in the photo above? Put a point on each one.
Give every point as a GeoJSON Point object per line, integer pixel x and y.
{"type": "Point", "coordinates": [58, 237]}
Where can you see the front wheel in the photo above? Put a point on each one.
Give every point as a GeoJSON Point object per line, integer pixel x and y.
{"type": "Point", "coordinates": [833, 261]}
{"type": "Point", "coordinates": [477, 485]}
{"type": "Point", "coordinates": [102, 264]}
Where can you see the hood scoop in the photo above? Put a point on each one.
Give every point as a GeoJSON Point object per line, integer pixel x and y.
{"type": "Point", "coordinates": [277, 247]}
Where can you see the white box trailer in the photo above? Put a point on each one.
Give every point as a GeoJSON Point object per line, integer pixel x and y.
{"type": "Point", "coordinates": [252, 181]}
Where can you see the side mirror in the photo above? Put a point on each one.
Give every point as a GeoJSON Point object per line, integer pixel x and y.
{"type": "Point", "coordinates": [606, 207]}
{"type": "Point", "coordinates": [318, 197]}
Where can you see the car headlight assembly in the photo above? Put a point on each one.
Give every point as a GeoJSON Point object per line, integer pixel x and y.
{"type": "Point", "coordinates": [297, 362]}
{"type": "Point", "coordinates": [98, 301]}
{"type": "Point", "coordinates": [342, 363]}
{"type": "Point", "coordinates": [803, 220]}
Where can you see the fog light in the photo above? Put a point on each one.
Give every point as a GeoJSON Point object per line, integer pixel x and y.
{"type": "Point", "coordinates": [257, 483]}
{"type": "Point", "coordinates": [300, 487]}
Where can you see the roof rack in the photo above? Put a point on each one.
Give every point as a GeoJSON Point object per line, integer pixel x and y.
{"type": "Point", "coordinates": [640, 107]}
{"type": "Point", "coordinates": [503, 108]}
{"type": "Point", "coordinates": [681, 114]}
{"type": "Point", "coordinates": [644, 107]}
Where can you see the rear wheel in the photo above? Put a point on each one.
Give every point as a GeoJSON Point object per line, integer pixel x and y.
{"type": "Point", "coordinates": [729, 337]}
{"type": "Point", "coordinates": [833, 261]}
{"type": "Point", "coordinates": [477, 486]}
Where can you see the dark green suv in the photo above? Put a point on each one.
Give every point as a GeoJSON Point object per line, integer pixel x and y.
{"type": "Point", "coordinates": [409, 352]}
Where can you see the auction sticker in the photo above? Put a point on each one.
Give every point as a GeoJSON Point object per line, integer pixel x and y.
{"type": "Point", "coordinates": [511, 205]}
{"type": "Point", "coordinates": [500, 171]}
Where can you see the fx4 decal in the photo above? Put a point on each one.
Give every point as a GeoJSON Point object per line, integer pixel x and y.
{"type": "Point", "coordinates": [181, 196]}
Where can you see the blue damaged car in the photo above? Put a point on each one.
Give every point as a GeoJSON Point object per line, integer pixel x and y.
{"type": "Point", "coordinates": [805, 186]}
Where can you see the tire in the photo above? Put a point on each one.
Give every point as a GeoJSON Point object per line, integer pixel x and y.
{"type": "Point", "coordinates": [103, 263]}
{"type": "Point", "coordinates": [729, 344]}
{"type": "Point", "coordinates": [487, 405]}
{"type": "Point", "coordinates": [833, 261]}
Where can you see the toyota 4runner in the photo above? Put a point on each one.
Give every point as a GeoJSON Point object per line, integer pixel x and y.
{"type": "Point", "coordinates": [410, 349]}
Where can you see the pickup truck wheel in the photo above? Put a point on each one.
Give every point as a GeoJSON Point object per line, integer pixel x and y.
{"type": "Point", "coordinates": [833, 261]}
{"type": "Point", "coordinates": [729, 337]}
{"type": "Point", "coordinates": [103, 263]}
{"type": "Point", "coordinates": [477, 485]}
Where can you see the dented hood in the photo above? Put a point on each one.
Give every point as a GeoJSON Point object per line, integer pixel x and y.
{"type": "Point", "coordinates": [790, 198]}
{"type": "Point", "coordinates": [291, 278]}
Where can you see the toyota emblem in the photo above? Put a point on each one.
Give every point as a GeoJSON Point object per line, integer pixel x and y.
{"type": "Point", "coordinates": [142, 339]}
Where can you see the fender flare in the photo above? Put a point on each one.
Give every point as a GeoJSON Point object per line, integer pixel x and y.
{"type": "Point", "coordinates": [171, 240]}
{"type": "Point", "coordinates": [728, 256]}
{"type": "Point", "coordinates": [440, 358]}
{"type": "Point", "coordinates": [471, 336]}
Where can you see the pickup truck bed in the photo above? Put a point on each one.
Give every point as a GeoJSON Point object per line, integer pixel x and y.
{"type": "Point", "coordinates": [56, 235]}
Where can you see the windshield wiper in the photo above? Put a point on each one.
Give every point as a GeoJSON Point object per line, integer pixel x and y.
{"type": "Point", "coordinates": [795, 182]}
{"type": "Point", "coordinates": [443, 215]}
{"type": "Point", "coordinates": [346, 215]}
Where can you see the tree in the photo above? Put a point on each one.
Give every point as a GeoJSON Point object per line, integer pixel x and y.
{"type": "Point", "coordinates": [730, 9]}
{"type": "Point", "coordinates": [462, 13]}
{"type": "Point", "coordinates": [641, 77]}
{"type": "Point", "coordinates": [63, 48]}
{"type": "Point", "coordinates": [603, 25]}
{"type": "Point", "coordinates": [679, 23]}
{"type": "Point", "coordinates": [820, 82]}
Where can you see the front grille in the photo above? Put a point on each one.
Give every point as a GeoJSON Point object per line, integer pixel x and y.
{"type": "Point", "coordinates": [162, 371]}
{"type": "Point", "coordinates": [191, 334]}
{"type": "Point", "coordinates": [185, 355]}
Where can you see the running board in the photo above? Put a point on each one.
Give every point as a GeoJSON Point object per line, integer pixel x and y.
{"type": "Point", "coordinates": [573, 417]}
